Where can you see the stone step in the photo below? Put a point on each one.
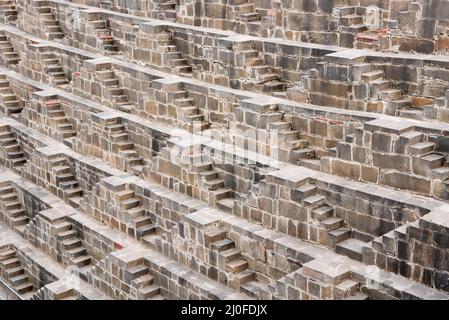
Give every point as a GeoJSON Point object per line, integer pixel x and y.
{"type": "Point", "coordinates": [76, 252]}
{"type": "Point", "coordinates": [214, 235]}
{"type": "Point", "coordinates": [71, 243]}
{"type": "Point", "coordinates": [338, 235]}
{"type": "Point", "coordinates": [137, 271]}
{"type": "Point", "coordinates": [7, 254]}
{"type": "Point", "coordinates": [143, 281]}
{"type": "Point", "coordinates": [214, 184]}
{"type": "Point", "coordinates": [422, 148]}
{"type": "Point", "coordinates": [13, 272]}
{"type": "Point", "coordinates": [230, 255]}
{"type": "Point", "coordinates": [67, 234]}
{"type": "Point", "coordinates": [130, 203]}
{"type": "Point", "coordinates": [222, 245]}
{"type": "Point", "coordinates": [332, 223]}
{"type": "Point", "coordinates": [295, 144]}
{"type": "Point", "coordinates": [24, 287]}
{"type": "Point", "coordinates": [390, 95]}
{"type": "Point", "coordinates": [304, 192]}
{"type": "Point", "coordinates": [10, 263]}
{"type": "Point", "coordinates": [141, 221]}
{"type": "Point", "coordinates": [351, 248]}
{"type": "Point", "coordinates": [226, 204]}
{"type": "Point", "coordinates": [346, 288]}
{"type": "Point", "coordinates": [19, 221]}
{"type": "Point", "coordinates": [314, 200]}
{"type": "Point", "coordinates": [146, 230]}
{"type": "Point", "coordinates": [358, 296]}
{"type": "Point", "coordinates": [81, 261]}
{"type": "Point", "coordinates": [322, 213]}
{"type": "Point", "coordinates": [372, 75]}
{"type": "Point", "coordinates": [237, 266]}
{"type": "Point", "coordinates": [149, 292]}
{"type": "Point", "coordinates": [8, 196]}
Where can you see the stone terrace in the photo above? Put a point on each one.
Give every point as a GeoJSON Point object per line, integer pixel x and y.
{"type": "Point", "coordinates": [237, 150]}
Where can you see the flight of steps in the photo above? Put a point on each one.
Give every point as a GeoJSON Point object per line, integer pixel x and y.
{"type": "Point", "coordinates": [230, 259]}
{"type": "Point", "coordinates": [244, 11]}
{"type": "Point", "coordinates": [105, 4]}
{"type": "Point", "coordinates": [257, 69]}
{"type": "Point", "coordinates": [123, 145]}
{"type": "Point", "coordinates": [49, 22]}
{"type": "Point", "coordinates": [8, 100]}
{"type": "Point", "coordinates": [7, 51]}
{"type": "Point", "coordinates": [72, 249]}
{"type": "Point", "coordinates": [68, 186]}
{"type": "Point", "coordinates": [59, 119]}
{"type": "Point", "coordinates": [209, 180]}
{"type": "Point", "coordinates": [140, 225]}
{"type": "Point", "coordinates": [115, 92]}
{"type": "Point", "coordinates": [143, 281]}
{"type": "Point", "coordinates": [172, 56]}
{"type": "Point", "coordinates": [15, 214]}
{"type": "Point", "coordinates": [429, 163]}
{"type": "Point", "coordinates": [103, 34]}
{"type": "Point", "coordinates": [381, 89]}
{"type": "Point", "coordinates": [168, 8]}
{"type": "Point", "coordinates": [343, 289]}
{"type": "Point", "coordinates": [188, 113]}
{"type": "Point", "coordinates": [350, 19]}
{"type": "Point", "coordinates": [330, 229]}
{"type": "Point", "coordinates": [8, 11]}
{"type": "Point", "coordinates": [67, 295]}
{"type": "Point", "coordinates": [290, 146]}
{"type": "Point", "coordinates": [13, 149]}
{"type": "Point", "coordinates": [15, 273]}
{"type": "Point", "coordinates": [53, 67]}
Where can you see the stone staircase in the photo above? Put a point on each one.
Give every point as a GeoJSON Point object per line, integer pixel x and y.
{"type": "Point", "coordinates": [428, 162]}
{"type": "Point", "coordinates": [58, 119]}
{"type": "Point", "coordinates": [103, 33]}
{"type": "Point", "coordinates": [68, 186]}
{"type": "Point", "coordinates": [381, 89]}
{"type": "Point", "coordinates": [139, 224]}
{"type": "Point", "coordinates": [143, 281]}
{"type": "Point", "coordinates": [8, 11]}
{"type": "Point", "coordinates": [73, 252]}
{"type": "Point", "coordinates": [188, 114]}
{"type": "Point", "coordinates": [350, 19]}
{"type": "Point", "coordinates": [245, 11]}
{"type": "Point", "coordinates": [8, 53]}
{"type": "Point", "coordinates": [172, 57]}
{"type": "Point", "coordinates": [14, 273]}
{"type": "Point", "coordinates": [230, 259]}
{"type": "Point", "coordinates": [114, 91]}
{"type": "Point", "coordinates": [15, 214]}
{"type": "Point", "coordinates": [123, 146]}
{"type": "Point", "coordinates": [208, 179]}
{"type": "Point", "coordinates": [168, 8]}
{"type": "Point", "coordinates": [9, 102]}
{"type": "Point", "coordinates": [324, 226]}
{"type": "Point", "coordinates": [12, 148]}
{"type": "Point", "coordinates": [53, 67]}
{"type": "Point", "coordinates": [255, 66]}
{"type": "Point", "coordinates": [288, 142]}
{"type": "Point", "coordinates": [50, 24]}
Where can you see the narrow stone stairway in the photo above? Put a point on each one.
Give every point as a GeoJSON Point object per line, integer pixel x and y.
{"type": "Point", "coordinates": [14, 272]}
{"type": "Point", "coordinates": [15, 215]}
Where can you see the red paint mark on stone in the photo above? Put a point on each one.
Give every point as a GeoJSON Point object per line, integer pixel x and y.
{"type": "Point", "coordinates": [117, 246]}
